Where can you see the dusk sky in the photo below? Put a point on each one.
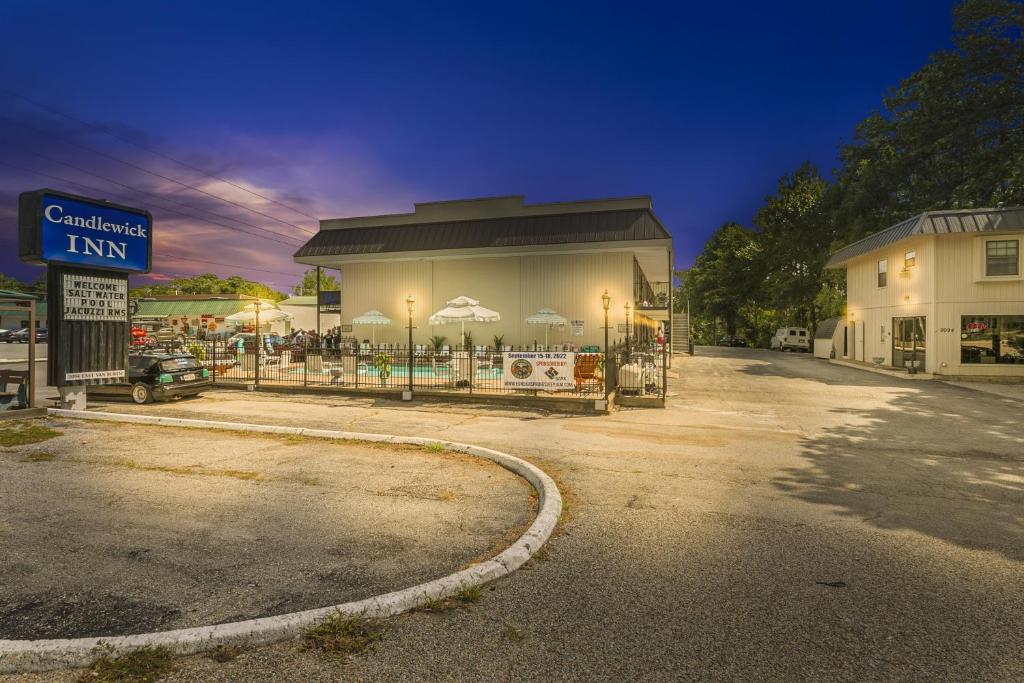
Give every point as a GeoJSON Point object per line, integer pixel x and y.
{"type": "Point", "coordinates": [340, 110]}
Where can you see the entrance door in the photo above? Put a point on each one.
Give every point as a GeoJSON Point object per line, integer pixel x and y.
{"type": "Point", "coordinates": [908, 347]}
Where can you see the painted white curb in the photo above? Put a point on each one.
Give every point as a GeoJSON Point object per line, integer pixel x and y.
{"type": "Point", "coordinates": [40, 655]}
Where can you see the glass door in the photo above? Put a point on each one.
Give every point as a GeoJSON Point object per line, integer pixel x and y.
{"type": "Point", "coordinates": [908, 347]}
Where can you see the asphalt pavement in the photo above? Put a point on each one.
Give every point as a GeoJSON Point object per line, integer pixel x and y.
{"type": "Point", "coordinates": [782, 519]}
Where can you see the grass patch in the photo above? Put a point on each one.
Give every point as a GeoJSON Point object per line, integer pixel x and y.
{"type": "Point", "coordinates": [342, 635]}
{"type": "Point", "coordinates": [41, 456]}
{"type": "Point", "coordinates": [470, 594]}
{"type": "Point", "coordinates": [224, 653]}
{"type": "Point", "coordinates": [22, 433]}
{"type": "Point", "coordinates": [185, 470]}
{"type": "Point", "coordinates": [144, 665]}
{"type": "Point", "coordinates": [436, 447]}
{"type": "Point", "coordinates": [434, 605]}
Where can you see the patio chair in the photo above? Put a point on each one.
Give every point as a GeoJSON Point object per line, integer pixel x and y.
{"type": "Point", "coordinates": [586, 371]}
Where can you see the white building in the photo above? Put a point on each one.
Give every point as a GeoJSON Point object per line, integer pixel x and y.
{"type": "Point", "coordinates": [942, 291]}
{"type": "Point", "coordinates": [514, 258]}
{"type": "Point", "coordinates": [303, 312]}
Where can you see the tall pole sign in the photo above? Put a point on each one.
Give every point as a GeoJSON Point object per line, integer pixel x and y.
{"type": "Point", "coordinates": [89, 246]}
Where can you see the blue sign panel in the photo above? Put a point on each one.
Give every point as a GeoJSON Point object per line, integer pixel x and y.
{"type": "Point", "coordinates": [95, 235]}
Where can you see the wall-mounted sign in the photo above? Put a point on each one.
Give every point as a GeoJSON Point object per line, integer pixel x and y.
{"type": "Point", "coordinates": [330, 302]}
{"type": "Point", "coordinates": [346, 328]}
{"type": "Point", "coordinates": [60, 228]}
{"type": "Point", "coordinates": [577, 328]}
{"type": "Point", "coordinates": [622, 328]}
{"type": "Point", "coordinates": [87, 297]}
{"type": "Point", "coordinates": [539, 370]}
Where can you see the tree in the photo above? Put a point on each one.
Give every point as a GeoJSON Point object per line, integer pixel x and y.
{"type": "Point", "coordinates": [38, 286]}
{"type": "Point", "coordinates": [208, 283]}
{"type": "Point", "coordinates": [951, 135]}
{"type": "Point", "coordinates": [307, 286]}
{"type": "Point", "coordinates": [724, 275]}
{"type": "Point", "coordinates": [796, 233]}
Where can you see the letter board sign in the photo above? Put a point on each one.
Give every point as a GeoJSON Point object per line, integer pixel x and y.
{"type": "Point", "coordinates": [61, 228]}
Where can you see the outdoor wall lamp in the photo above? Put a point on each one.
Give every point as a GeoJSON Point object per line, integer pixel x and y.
{"type": "Point", "coordinates": [606, 300]}
{"type": "Point", "coordinates": [410, 301]}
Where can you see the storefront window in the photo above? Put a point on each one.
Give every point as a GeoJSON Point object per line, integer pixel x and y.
{"type": "Point", "coordinates": [992, 339]}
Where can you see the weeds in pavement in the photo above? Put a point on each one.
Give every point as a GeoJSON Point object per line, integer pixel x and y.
{"type": "Point", "coordinates": [469, 594]}
{"type": "Point", "coordinates": [41, 456]}
{"type": "Point", "coordinates": [343, 635]}
{"type": "Point", "coordinates": [144, 665]}
{"type": "Point", "coordinates": [436, 447]}
{"type": "Point", "coordinates": [446, 496]}
{"type": "Point", "coordinates": [515, 634]}
{"type": "Point", "coordinates": [22, 433]}
{"type": "Point", "coordinates": [224, 653]}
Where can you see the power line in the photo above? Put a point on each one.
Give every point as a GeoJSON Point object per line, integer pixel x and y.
{"type": "Point", "coordinates": [90, 188]}
{"type": "Point", "coordinates": [158, 196]}
{"type": "Point", "coordinates": [233, 265]}
{"type": "Point", "coordinates": [151, 150]}
{"type": "Point", "coordinates": [103, 154]}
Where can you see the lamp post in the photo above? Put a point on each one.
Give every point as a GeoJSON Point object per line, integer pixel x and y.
{"type": "Point", "coordinates": [629, 317]}
{"type": "Point", "coordinates": [410, 301]}
{"type": "Point", "coordinates": [606, 301]}
{"type": "Point", "coordinates": [259, 343]}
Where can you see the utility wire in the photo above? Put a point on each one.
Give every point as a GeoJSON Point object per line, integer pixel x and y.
{"type": "Point", "coordinates": [158, 196]}
{"type": "Point", "coordinates": [129, 141]}
{"type": "Point", "coordinates": [232, 265]}
{"type": "Point", "coordinates": [90, 188]}
{"type": "Point", "coordinates": [103, 154]}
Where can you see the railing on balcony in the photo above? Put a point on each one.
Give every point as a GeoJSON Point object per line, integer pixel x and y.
{"type": "Point", "coordinates": [654, 296]}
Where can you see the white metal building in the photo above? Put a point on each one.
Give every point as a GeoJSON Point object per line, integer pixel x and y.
{"type": "Point", "coordinates": [514, 258]}
{"type": "Point", "coordinates": [942, 291]}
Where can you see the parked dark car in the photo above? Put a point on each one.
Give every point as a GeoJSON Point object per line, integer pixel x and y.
{"type": "Point", "coordinates": [733, 340]}
{"type": "Point", "coordinates": [160, 377]}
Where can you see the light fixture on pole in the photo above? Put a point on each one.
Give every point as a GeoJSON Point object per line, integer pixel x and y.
{"type": "Point", "coordinates": [410, 302]}
{"type": "Point", "coordinates": [259, 342]}
{"type": "Point", "coordinates": [606, 302]}
{"type": "Point", "coordinates": [629, 317]}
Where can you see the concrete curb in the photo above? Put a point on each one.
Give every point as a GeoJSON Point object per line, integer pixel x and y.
{"type": "Point", "coordinates": [41, 655]}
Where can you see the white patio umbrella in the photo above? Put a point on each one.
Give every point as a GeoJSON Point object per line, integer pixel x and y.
{"type": "Point", "coordinates": [464, 310]}
{"type": "Point", "coordinates": [373, 318]}
{"type": "Point", "coordinates": [267, 315]}
{"type": "Point", "coordinates": [549, 319]}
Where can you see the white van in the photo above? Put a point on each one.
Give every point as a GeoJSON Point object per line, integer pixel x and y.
{"type": "Point", "coordinates": [791, 339]}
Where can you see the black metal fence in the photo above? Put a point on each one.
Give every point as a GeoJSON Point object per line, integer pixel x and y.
{"type": "Point", "coordinates": [483, 370]}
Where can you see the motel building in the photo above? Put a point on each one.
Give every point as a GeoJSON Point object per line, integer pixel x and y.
{"type": "Point", "coordinates": [517, 260]}
{"type": "Point", "coordinates": [942, 292]}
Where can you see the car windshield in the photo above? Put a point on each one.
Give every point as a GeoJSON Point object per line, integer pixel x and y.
{"type": "Point", "coordinates": [179, 363]}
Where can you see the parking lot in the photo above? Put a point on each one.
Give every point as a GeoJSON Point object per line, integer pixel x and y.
{"type": "Point", "coordinates": [782, 519]}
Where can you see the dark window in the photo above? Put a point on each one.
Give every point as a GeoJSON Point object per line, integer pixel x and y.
{"type": "Point", "coordinates": [139, 363]}
{"type": "Point", "coordinates": [792, 332]}
{"type": "Point", "coordinates": [1001, 257]}
{"type": "Point", "coordinates": [992, 339]}
{"type": "Point", "coordinates": [910, 259]}
{"type": "Point", "coordinates": [803, 333]}
{"type": "Point", "coordinates": [883, 272]}
{"type": "Point", "coordinates": [180, 363]}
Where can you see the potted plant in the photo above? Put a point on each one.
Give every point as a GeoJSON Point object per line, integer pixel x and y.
{"type": "Point", "coordinates": [437, 342]}
{"type": "Point", "coordinates": [467, 341]}
{"type": "Point", "coordinates": [382, 362]}
{"type": "Point", "coordinates": [499, 342]}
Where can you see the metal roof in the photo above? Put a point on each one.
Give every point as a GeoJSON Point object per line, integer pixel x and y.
{"type": "Point", "coordinates": [10, 294]}
{"type": "Point", "coordinates": [513, 231]}
{"type": "Point", "coordinates": [933, 223]}
{"type": "Point", "coordinates": [826, 328]}
{"type": "Point", "coordinates": [301, 300]}
{"type": "Point", "coordinates": [215, 307]}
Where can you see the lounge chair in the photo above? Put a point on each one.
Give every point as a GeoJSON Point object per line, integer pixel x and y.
{"type": "Point", "coordinates": [586, 371]}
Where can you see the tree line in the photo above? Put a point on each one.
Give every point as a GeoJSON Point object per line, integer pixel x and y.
{"type": "Point", "coordinates": [949, 136]}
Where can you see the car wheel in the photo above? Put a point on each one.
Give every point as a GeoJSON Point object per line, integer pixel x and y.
{"type": "Point", "coordinates": [141, 394]}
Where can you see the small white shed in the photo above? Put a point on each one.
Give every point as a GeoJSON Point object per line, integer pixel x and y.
{"type": "Point", "coordinates": [828, 338]}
